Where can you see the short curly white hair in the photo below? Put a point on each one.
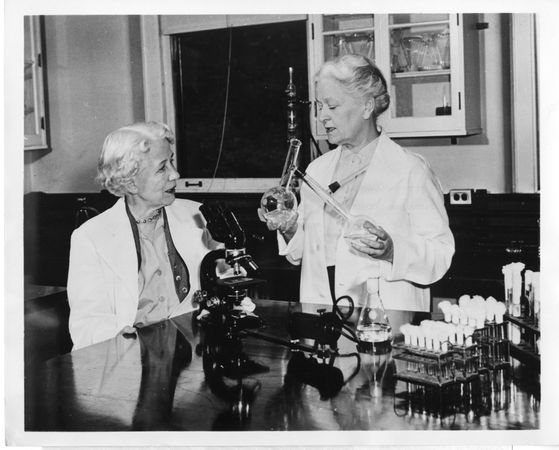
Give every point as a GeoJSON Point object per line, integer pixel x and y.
{"type": "Point", "coordinates": [122, 151]}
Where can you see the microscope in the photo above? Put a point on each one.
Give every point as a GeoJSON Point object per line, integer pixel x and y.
{"type": "Point", "coordinates": [226, 274]}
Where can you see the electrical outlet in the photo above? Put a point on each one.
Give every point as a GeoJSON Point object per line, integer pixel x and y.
{"type": "Point", "coordinates": [460, 196]}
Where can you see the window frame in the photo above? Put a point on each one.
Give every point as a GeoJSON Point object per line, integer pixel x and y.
{"type": "Point", "coordinates": [159, 102]}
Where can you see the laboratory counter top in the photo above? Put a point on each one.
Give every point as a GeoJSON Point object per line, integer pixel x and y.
{"type": "Point", "coordinates": [182, 375]}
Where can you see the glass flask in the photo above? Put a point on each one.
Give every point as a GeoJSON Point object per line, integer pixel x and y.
{"type": "Point", "coordinates": [373, 325]}
{"type": "Point", "coordinates": [279, 204]}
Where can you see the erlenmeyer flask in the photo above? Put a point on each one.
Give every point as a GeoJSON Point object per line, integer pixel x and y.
{"type": "Point", "coordinates": [373, 325]}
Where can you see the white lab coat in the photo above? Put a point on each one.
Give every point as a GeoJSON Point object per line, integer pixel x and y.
{"type": "Point", "coordinates": [103, 273]}
{"type": "Point", "coordinates": [400, 193]}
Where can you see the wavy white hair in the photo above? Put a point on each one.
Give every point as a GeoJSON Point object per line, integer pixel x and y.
{"type": "Point", "coordinates": [359, 76]}
{"type": "Point", "coordinates": [123, 150]}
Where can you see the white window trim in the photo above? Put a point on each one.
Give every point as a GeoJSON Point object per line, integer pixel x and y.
{"type": "Point", "coordinates": [524, 104]}
{"type": "Point", "coordinates": [158, 94]}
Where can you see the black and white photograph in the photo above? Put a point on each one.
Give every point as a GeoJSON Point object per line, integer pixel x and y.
{"type": "Point", "coordinates": [283, 225]}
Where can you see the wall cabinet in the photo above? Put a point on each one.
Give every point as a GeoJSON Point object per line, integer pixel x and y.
{"type": "Point", "coordinates": [430, 61]}
{"type": "Point", "coordinates": [35, 128]}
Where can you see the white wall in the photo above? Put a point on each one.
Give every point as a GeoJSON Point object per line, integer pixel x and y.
{"type": "Point", "coordinates": [94, 80]}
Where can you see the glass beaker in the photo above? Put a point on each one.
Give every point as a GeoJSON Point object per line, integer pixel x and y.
{"type": "Point", "coordinates": [354, 226]}
{"type": "Point", "coordinates": [370, 48]}
{"type": "Point", "coordinates": [414, 48]}
{"type": "Point", "coordinates": [431, 57]}
{"type": "Point", "coordinates": [373, 325]}
{"type": "Point", "coordinates": [442, 43]}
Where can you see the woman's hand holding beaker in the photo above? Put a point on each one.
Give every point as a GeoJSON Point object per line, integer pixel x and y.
{"type": "Point", "coordinates": [377, 243]}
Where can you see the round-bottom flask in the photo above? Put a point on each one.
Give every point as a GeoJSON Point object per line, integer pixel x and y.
{"type": "Point", "coordinates": [279, 205]}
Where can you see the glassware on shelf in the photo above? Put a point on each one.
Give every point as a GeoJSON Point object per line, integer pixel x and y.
{"type": "Point", "coordinates": [279, 203]}
{"type": "Point", "coordinates": [442, 41]}
{"type": "Point", "coordinates": [373, 325]}
{"type": "Point", "coordinates": [431, 59]}
{"type": "Point", "coordinates": [343, 46]}
{"type": "Point", "coordinates": [414, 49]}
{"type": "Point", "coordinates": [370, 48]}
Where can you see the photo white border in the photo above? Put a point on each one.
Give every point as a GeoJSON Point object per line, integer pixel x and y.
{"type": "Point", "coordinates": [548, 41]}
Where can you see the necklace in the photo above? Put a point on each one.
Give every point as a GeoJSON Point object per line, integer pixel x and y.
{"type": "Point", "coordinates": [151, 218]}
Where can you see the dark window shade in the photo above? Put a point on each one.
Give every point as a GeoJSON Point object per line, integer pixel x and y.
{"type": "Point", "coordinates": [255, 136]}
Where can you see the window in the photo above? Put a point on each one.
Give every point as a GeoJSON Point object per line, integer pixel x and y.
{"type": "Point", "coordinates": [230, 101]}
{"type": "Point", "coordinates": [34, 122]}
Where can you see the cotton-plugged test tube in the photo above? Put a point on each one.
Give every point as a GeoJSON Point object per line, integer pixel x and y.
{"type": "Point", "coordinates": [536, 289]}
{"type": "Point", "coordinates": [468, 334]}
{"type": "Point", "coordinates": [529, 293]}
{"type": "Point", "coordinates": [507, 277]}
{"type": "Point", "coordinates": [516, 288]}
{"type": "Point", "coordinates": [455, 314]}
{"type": "Point", "coordinates": [444, 306]}
{"type": "Point", "coordinates": [405, 330]}
{"type": "Point", "coordinates": [460, 335]}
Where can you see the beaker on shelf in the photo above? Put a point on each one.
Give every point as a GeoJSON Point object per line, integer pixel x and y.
{"type": "Point", "coordinates": [442, 41]}
{"type": "Point", "coordinates": [370, 48]}
{"type": "Point", "coordinates": [431, 57]}
{"type": "Point", "coordinates": [414, 49]}
{"type": "Point", "coordinates": [344, 47]}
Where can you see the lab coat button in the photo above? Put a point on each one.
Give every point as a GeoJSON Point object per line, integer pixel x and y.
{"type": "Point", "coordinates": [178, 278]}
{"type": "Point", "coordinates": [184, 290]}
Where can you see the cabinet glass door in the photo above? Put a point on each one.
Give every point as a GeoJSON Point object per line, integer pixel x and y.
{"type": "Point", "coordinates": [348, 33]}
{"type": "Point", "coordinates": [420, 65]}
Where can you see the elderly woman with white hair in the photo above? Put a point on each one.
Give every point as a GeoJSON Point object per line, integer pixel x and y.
{"type": "Point", "coordinates": [410, 244]}
{"type": "Point", "coordinates": [138, 262]}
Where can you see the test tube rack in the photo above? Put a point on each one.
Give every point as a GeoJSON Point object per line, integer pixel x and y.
{"type": "Point", "coordinates": [525, 350]}
{"type": "Point", "coordinates": [455, 378]}
{"type": "Point", "coordinates": [489, 350]}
